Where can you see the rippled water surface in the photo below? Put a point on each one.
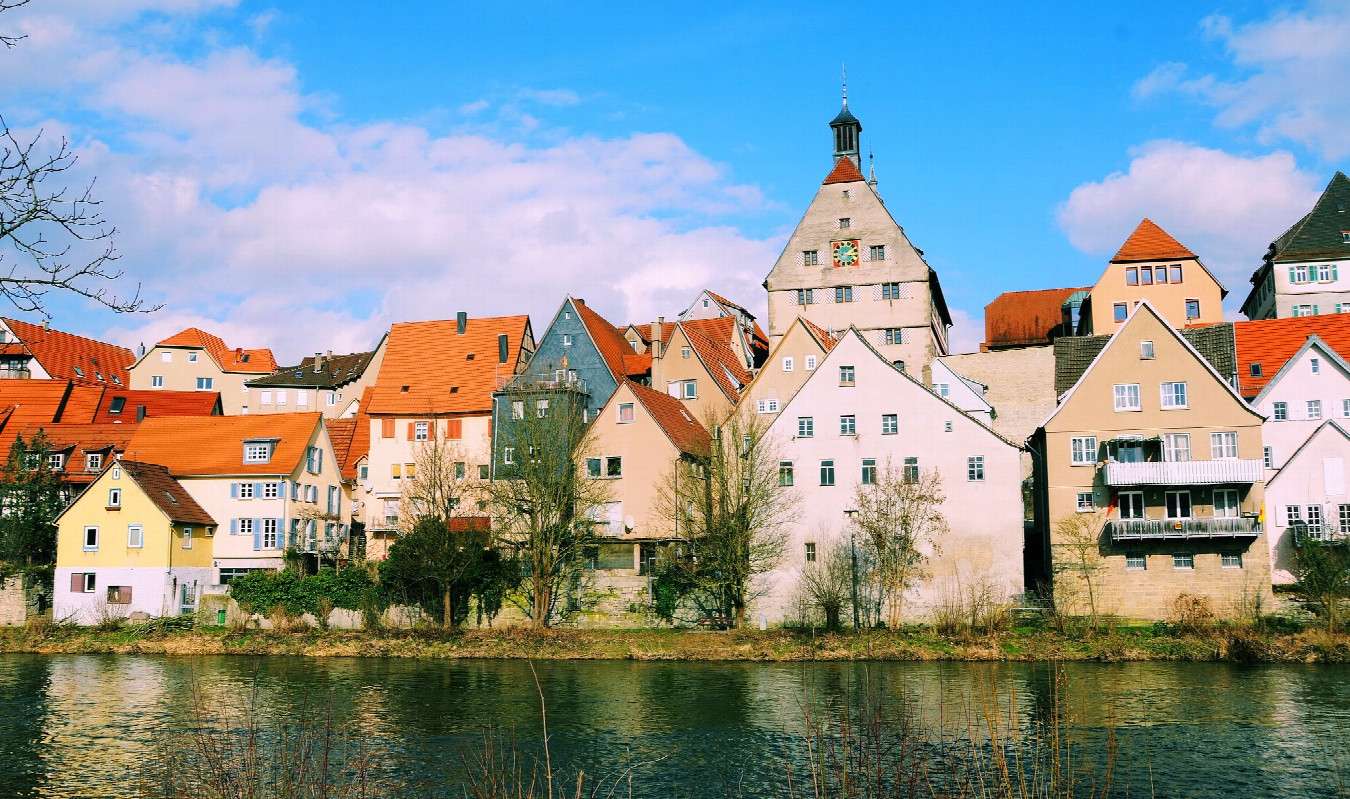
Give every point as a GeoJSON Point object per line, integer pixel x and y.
{"type": "Point", "coordinates": [99, 725]}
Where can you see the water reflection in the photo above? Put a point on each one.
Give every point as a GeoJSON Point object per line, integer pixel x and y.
{"type": "Point", "coordinates": [89, 725]}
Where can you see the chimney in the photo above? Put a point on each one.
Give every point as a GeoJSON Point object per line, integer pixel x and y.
{"type": "Point", "coordinates": [656, 336]}
{"type": "Point", "coordinates": [318, 361]}
{"type": "Point", "coordinates": [140, 353]}
{"type": "Point", "coordinates": [461, 321]}
{"type": "Point", "coordinates": [503, 348]}
{"type": "Point", "coordinates": [578, 301]}
{"type": "Point", "coordinates": [140, 413]}
{"type": "Point", "coordinates": [46, 326]}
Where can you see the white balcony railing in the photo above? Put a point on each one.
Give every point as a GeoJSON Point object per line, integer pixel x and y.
{"type": "Point", "coordinates": [1204, 527]}
{"type": "Point", "coordinates": [1184, 472]}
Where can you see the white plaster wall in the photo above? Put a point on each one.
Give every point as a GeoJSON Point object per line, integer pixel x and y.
{"type": "Point", "coordinates": [1331, 385]}
{"type": "Point", "coordinates": [1305, 481]}
{"type": "Point", "coordinates": [985, 541]}
{"type": "Point", "coordinates": [153, 591]}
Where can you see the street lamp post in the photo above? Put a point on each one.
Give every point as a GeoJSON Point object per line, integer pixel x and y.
{"type": "Point", "coordinates": [853, 562]}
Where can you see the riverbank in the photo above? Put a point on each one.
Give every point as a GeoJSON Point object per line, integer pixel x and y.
{"type": "Point", "coordinates": [1240, 644]}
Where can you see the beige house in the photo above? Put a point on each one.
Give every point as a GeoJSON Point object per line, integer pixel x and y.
{"type": "Point", "coordinates": [699, 363]}
{"type": "Point", "coordinates": [1154, 267]}
{"type": "Point", "coordinates": [641, 437]}
{"type": "Point", "coordinates": [1160, 459]}
{"type": "Point", "coordinates": [195, 360]}
{"type": "Point", "coordinates": [328, 383]}
{"type": "Point", "coordinates": [435, 385]}
{"type": "Point", "coordinates": [798, 353]}
{"type": "Point", "coordinates": [850, 264]}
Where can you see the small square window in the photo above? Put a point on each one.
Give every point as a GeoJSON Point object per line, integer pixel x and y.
{"type": "Point", "coordinates": [878, 252]}
{"type": "Point", "coordinates": [890, 424]}
{"type": "Point", "coordinates": [1280, 411]}
{"type": "Point", "coordinates": [685, 352]}
{"type": "Point", "coordinates": [1174, 395]}
{"type": "Point", "coordinates": [806, 426]}
{"type": "Point", "coordinates": [626, 413]}
{"type": "Point", "coordinates": [1314, 409]}
{"type": "Point", "coordinates": [593, 467]}
{"type": "Point", "coordinates": [843, 294]}
{"type": "Point", "coordinates": [1136, 561]}
{"type": "Point", "coordinates": [1176, 273]}
{"type": "Point", "coordinates": [204, 383]}
{"type": "Point", "coordinates": [1086, 503]}
{"type": "Point", "coordinates": [613, 467]}
{"type": "Point", "coordinates": [1083, 451]}
{"type": "Point", "coordinates": [846, 376]}
{"type": "Point", "coordinates": [811, 257]}
{"type": "Point", "coordinates": [1121, 311]}
{"type": "Point", "coordinates": [157, 381]}
{"type": "Point", "coordinates": [1183, 560]}
{"type": "Point", "coordinates": [690, 389]}
{"type": "Point", "coordinates": [848, 425]}
{"type": "Point", "coordinates": [192, 357]}
{"type": "Point", "coordinates": [845, 222]}
{"type": "Point", "coordinates": [1231, 559]}
{"type": "Point", "coordinates": [1146, 350]}
{"type": "Point", "coordinates": [1255, 370]}
{"type": "Point", "coordinates": [1192, 309]}
{"type": "Point", "coordinates": [567, 339]}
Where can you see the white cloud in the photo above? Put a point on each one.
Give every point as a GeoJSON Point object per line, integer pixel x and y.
{"type": "Point", "coordinates": [247, 217]}
{"type": "Point", "coordinates": [557, 97]}
{"type": "Point", "coordinates": [967, 332]}
{"type": "Point", "coordinates": [1225, 208]}
{"type": "Point", "coordinates": [1291, 77]}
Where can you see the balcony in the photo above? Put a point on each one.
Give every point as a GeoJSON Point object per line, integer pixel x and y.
{"type": "Point", "coordinates": [9, 373]}
{"type": "Point", "coordinates": [527, 383]}
{"type": "Point", "coordinates": [1125, 530]}
{"type": "Point", "coordinates": [1184, 473]}
{"type": "Point", "coordinates": [1306, 532]}
{"type": "Point", "coordinates": [380, 521]}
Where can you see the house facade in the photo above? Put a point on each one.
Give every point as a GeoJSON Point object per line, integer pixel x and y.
{"type": "Point", "coordinates": [850, 264]}
{"type": "Point", "coordinates": [858, 415]}
{"type": "Point", "coordinates": [1154, 267]}
{"type": "Point", "coordinates": [134, 542]}
{"type": "Point", "coordinates": [1307, 499]}
{"type": "Point", "coordinates": [699, 363]}
{"type": "Point", "coordinates": [1154, 455]}
{"type": "Point", "coordinates": [1300, 275]}
{"type": "Point", "coordinates": [271, 481]}
{"type": "Point", "coordinates": [328, 383]}
{"type": "Point", "coordinates": [793, 360]}
{"type": "Point", "coordinates": [195, 360]}
{"type": "Point", "coordinates": [1311, 387]}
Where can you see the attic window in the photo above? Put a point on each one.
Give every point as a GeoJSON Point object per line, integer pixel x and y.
{"type": "Point", "coordinates": [99, 375]}
{"type": "Point", "coordinates": [454, 389]}
{"type": "Point", "coordinates": [469, 357]}
{"type": "Point", "coordinates": [245, 359]}
{"type": "Point", "coordinates": [171, 499]}
{"type": "Point", "coordinates": [117, 380]}
{"type": "Point", "coordinates": [258, 451]}
{"type": "Point", "coordinates": [1255, 369]}
{"type": "Point", "coordinates": [1345, 236]}
{"type": "Point", "coordinates": [405, 389]}
{"type": "Point", "coordinates": [118, 403]}
{"type": "Point", "coordinates": [299, 374]}
{"type": "Point", "coordinates": [79, 372]}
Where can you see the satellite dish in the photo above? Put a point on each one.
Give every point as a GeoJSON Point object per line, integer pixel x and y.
{"type": "Point", "coordinates": [628, 522]}
{"type": "Point", "coordinates": [369, 487]}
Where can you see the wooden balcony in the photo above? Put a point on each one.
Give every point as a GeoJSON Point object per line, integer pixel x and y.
{"type": "Point", "coordinates": [1184, 473]}
{"type": "Point", "coordinates": [1126, 530]}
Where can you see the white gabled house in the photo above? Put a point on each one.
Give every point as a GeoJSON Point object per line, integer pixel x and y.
{"type": "Point", "coordinates": [1312, 386]}
{"type": "Point", "coordinates": [964, 393]}
{"type": "Point", "coordinates": [858, 412]}
{"type": "Point", "coordinates": [1307, 498]}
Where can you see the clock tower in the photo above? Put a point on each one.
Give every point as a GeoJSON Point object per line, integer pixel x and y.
{"type": "Point", "coordinates": [850, 264]}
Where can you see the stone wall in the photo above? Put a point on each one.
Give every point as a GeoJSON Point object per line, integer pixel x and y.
{"type": "Point", "coordinates": [18, 601]}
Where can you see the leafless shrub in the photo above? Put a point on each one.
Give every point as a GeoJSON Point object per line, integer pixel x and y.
{"type": "Point", "coordinates": [1191, 612]}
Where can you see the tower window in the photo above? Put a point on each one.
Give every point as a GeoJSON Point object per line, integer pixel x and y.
{"type": "Point", "coordinates": [845, 222]}
{"type": "Point", "coordinates": [811, 257]}
{"type": "Point", "coordinates": [843, 294]}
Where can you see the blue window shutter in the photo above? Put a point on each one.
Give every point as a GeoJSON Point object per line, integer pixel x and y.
{"type": "Point", "coordinates": [1292, 279]}
{"type": "Point", "coordinates": [1333, 272]}
{"type": "Point", "coordinates": [234, 527]}
{"type": "Point", "coordinates": [281, 533]}
{"type": "Point", "coordinates": [257, 534]}
{"type": "Point", "coordinates": [281, 489]}
{"type": "Point", "coordinates": [234, 491]}
{"type": "Point", "coordinates": [1314, 310]}
{"type": "Point", "coordinates": [257, 491]}
{"type": "Point", "coordinates": [295, 491]}
{"type": "Point", "coordinates": [318, 460]}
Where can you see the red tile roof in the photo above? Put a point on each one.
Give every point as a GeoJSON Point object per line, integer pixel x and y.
{"type": "Point", "coordinates": [359, 446]}
{"type": "Point", "coordinates": [822, 335]}
{"type": "Point", "coordinates": [167, 493]}
{"type": "Point", "coordinates": [845, 171]}
{"type": "Point", "coordinates": [60, 354]}
{"type": "Point", "coordinates": [158, 403]}
{"type": "Point", "coordinates": [430, 369]}
{"type": "Point", "coordinates": [680, 426]}
{"type": "Point", "coordinates": [77, 439]}
{"type": "Point", "coordinates": [1020, 318]}
{"type": "Point", "coordinates": [29, 404]}
{"type": "Point", "coordinates": [229, 360]}
{"type": "Point", "coordinates": [214, 445]}
{"type": "Point", "coordinates": [1272, 342]}
{"type": "Point", "coordinates": [610, 342]}
{"type": "Point", "coordinates": [1149, 242]}
{"type": "Point", "coordinates": [711, 339]}
{"type": "Point", "coordinates": [340, 433]}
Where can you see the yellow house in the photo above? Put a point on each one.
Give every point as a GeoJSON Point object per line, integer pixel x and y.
{"type": "Point", "coordinates": [801, 348]}
{"type": "Point", "coordinates": [1153, 266]}
{"type": "Point", "coordinates": [134, 542]}
{"type": "Point", "coordinates": [698, 363]}
{"type": "Point", "coordinates": [1153, 464]}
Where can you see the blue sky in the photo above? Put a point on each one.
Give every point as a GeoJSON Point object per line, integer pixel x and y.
{"type": "Point", "coordinates": [290, 176]}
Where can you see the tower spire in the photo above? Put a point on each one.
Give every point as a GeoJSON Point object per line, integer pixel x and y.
{"type": "Point", "coordinates": [846, 128]}
{"type": "Point", "coordinates": [871, 168]}
{"type": "Point", "coordinates": [843, 79]}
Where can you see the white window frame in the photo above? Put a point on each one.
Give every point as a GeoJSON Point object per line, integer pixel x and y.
{"type": "Point", "coordinates": [1086, 502]}
{"type": "Point", "coordinates": [135, 536]}
{"type": "Point", "coordinates": [1176, 444]}
{"type": "Point", "coordinates": [1125, 498]}
{"type": "Point", "coordinates": [787, 363]}
{"type": "Point", "coordinates": [1223, 446]}
{"type": "Point", "coordinates": [1314, 409]}
{"type": "Point", "coordinates": [257, 452]}
{"type": "Point", "coordinates": [810, 364]}
{"type": "Point", "coordinates": [975, 469]}
{"type": "Point", "coordinates": [1126, 397]}
{"type": "Point", "coordinates": [1231, 505]}
{"type": "Point", "coordinates": [88, 547]}
{"type": "Point", "coordinates": [689, 389]}
{"type": "Point", "coordinates": [114, 497]}
{"type": "Point", "coordinates": [890, 424]}
{"type": "Point", "coordinates": [157, 381]}
{"type": "Point", "coordinates": [1083, 451]}
{"type": "Point", "coordinates": [421, 431]}
{"type": "Point", "coordinates": [1168, 504]}
{"type": "Point", "coordinates": [1174, 395]}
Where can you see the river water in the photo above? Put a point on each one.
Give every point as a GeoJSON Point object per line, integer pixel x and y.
{"type": "Point", "coordinates": [101, 725]}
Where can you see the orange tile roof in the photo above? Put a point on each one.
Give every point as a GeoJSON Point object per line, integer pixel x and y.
{"type": "Point", "coordinates": [822, 335]}
{"type": "Point", "coordinates": [214, 445]}
{"type": "Point", "coordinates": [1019, 318]}
{"type": "Point", "coordinates": [711, 339]}
{"type": "Point", "coordinates": [359, 447]}
{"type": "Point", "coordinates": [28, 404]}
{"type": "Point", "coordinates": [340, 433]}
{"type": "Point", "coordinates": [158, 403]}
{"type": "Point", "coordinates": [167, 493]}
{"type": "Point", "coordinates": [1272, 342]}
{"type": "Point", "coordinates": [1149, 242]}
{"type": "Point", "coordinates": [229, 360]}
{"type": "Point", "coordinates": [84, 437]}
{"type": "Point", "coordinates": [60, 354]}
{"type": "Point", "coordinates": [432, 362]}
{"type": "Point", "coordinates": [845, 171]}
{"type": "Point", "coordinates": [609, 341]}
{"type": "Point", "coordinates": [679, 425]}
{"type": "Point", "coordinates": [638, 364]}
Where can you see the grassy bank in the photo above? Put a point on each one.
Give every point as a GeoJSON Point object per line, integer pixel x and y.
{"type": "Point", "coordinates": [1023, 644]}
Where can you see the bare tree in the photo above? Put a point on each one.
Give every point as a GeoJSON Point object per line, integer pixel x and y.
{"type": "Point", "coordinates": [900, 522]}
{"type": "Point", "coordinates": [1079, 555]}
{"type": "Point", "coordinates": [542, 502]}
{"type": "Point", "coordinates": [827, 583]}
{"type": "Point", "coordinates": [53, 238]}
{"type": "Point", "coordinates": [732, 513]}
{"type": "Point", "coordinates": [439, 487]}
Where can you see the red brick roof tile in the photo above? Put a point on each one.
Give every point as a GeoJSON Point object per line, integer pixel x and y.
{"type": "Point", "coordinates": [229, 360]}
{"type": "Point", "coordinates": [61, 354]}
{"type": "Point", "coordinates": [711, 339]}
{"type": "Point", "coordinates": [167, 493]}
{"type": "Point", "coordinates": [845, 171]}
{"type": "Point", "coordinates": [1272, 342]}
{"type": "Point", "coordinates": [359, 446]}
{"type": "Point", "coordinates": [214, 445]}
{"type": "Point", "coordinates": [1020, 318]}
{"type": "Point", "coordinates": [679, 425]}
{"type": "Point", "coordinates": [613, 347]}
{"type": "Point", "coordinates": [429, 368]}
{"type": "Point", "coordinates": [157, 403]}
{"type": "Point", "coordinates": [1149, 242]}
{"type": "Point", "coordinates": [822, 335]}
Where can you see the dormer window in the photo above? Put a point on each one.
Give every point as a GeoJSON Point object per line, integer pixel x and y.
{"type": "Point", "coordinates": [79, 372]}
{"type": "Point", "coordinates": [1255, 369]}
{"type": "Point", "coordinates": [258, 451]}
{"type": "Point", "coordinates": [1345, 237]}
{"type": "Point", "coordinates": [118, 403]}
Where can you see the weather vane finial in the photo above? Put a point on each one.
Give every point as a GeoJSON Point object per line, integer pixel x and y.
{"type": "Point", "coordinates": [843, 78]}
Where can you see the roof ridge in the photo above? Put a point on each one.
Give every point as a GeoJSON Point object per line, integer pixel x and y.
{"type": "Point", "coordinates": [1149, 242]}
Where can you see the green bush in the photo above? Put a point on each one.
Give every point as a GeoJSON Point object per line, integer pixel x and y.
{"type": "Point", "coordinates": [261, 591]}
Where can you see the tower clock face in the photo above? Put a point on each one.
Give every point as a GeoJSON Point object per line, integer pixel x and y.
{"type": "Point", "coordinates": [845, 252]}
